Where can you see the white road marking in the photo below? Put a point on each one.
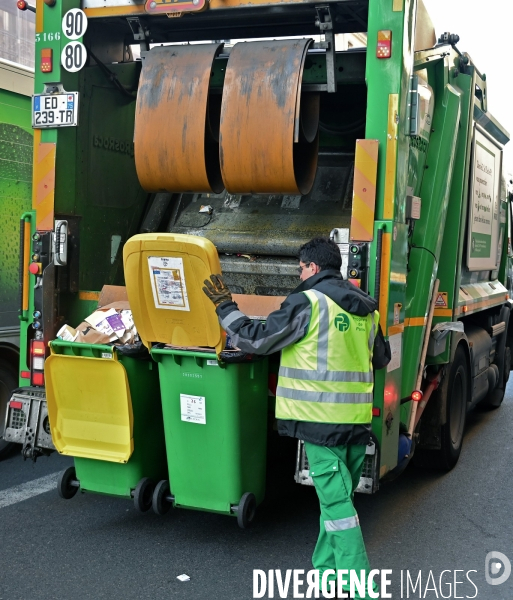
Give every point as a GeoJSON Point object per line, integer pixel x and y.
{"type": "Point", "coordinates": [27, 490]}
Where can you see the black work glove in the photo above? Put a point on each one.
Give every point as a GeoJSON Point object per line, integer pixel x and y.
{"type": "Point", "coordinates": [217, 290]}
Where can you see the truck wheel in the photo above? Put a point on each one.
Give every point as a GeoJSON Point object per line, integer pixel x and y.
{"type": "Point", "coordinates": [456, 412]}
{"type": "Point", "coordinates": [455, 391]}
{"type": "Point", "coordinates": [246, 510]}
{"type": "Point", "coordinates": [143, 494]}
{"type": "Point", "coordinates": [8, 382]}
{"type": "Point", "coordinates": [64, 484]}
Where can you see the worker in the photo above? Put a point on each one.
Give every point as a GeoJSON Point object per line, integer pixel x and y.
{"type": "Point", "coordinates": [328, 332]}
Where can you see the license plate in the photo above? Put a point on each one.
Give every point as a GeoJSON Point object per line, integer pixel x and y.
{"type": "Point", "coordinates": [55, 110]}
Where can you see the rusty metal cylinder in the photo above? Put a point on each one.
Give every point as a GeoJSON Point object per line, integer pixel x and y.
{"type": "Point", "coordinates": [176, 138]}
{"type": "Point", "coordinates": [269, 130]}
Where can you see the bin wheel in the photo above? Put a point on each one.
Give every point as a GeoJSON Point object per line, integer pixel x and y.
{"type": "Point", "coordinates": [64, 484]}
{"type": "Point", "coordinates": [160, 503]}
{"type": "Point", "coordinates": [246, 510]}
{"type": "Point", "coordinates": [143, 494]}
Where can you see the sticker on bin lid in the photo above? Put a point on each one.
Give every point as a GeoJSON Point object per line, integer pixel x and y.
{"type": "Point", "coordinates": [106, 355]}
{"type": "Point", "coordinates": [168, 282]}
{"type": "Point", "coordinates": [192, 409]}
{"type": "Point", "coordinates": [212, 363]}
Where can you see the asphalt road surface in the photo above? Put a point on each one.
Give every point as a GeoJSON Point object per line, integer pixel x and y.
{"type": "Point", "coordinates": [96, 547]}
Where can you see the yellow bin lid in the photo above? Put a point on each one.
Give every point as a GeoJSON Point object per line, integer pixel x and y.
{"type": "Point", "coordinates": [164, 275]}
{"type": "Point", "coordinates": [90, 407]}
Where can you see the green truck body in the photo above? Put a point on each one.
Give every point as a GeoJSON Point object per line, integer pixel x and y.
{"type": "Point", "coordinates": [436, 255]}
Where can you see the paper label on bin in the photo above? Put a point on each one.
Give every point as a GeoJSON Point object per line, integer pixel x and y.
{"type": "Point", "coordinates": [193, 409]}
{"type": "Point", "coordinates": [168, 282]}
{"type": "Point", "coordinates": [212, 363]}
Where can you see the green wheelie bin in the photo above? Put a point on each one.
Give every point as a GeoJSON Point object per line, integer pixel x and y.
{"type": "Point", "coordinates": [215, 422]}
{"type": "Point", "coordinates": [215, 411]}
{"type": "Point", "coordinates": [104, 410]}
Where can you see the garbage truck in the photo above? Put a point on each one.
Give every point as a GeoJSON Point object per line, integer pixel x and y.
{"type": "Point", "coordinates": [143, 124]}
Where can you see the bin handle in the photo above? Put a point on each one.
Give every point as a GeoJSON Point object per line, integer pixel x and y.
{"type": "Point", "coordinates": [167, 351]}
{"type": "Point", "coordinates": [56, 347]}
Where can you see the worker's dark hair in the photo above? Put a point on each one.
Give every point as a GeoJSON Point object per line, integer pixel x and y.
{"type": "Point", "coordinates": [322, 252]}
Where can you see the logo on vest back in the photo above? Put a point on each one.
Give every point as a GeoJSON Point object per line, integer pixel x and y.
{"type": "Point", "coordinates": [342, 322]}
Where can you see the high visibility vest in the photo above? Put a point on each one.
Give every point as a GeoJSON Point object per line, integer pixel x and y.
{"type": "Point", "coordinates": [327, 376]}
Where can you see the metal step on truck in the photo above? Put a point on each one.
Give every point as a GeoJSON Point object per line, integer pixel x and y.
{"type": "Point", "coordinates": [142, 124]}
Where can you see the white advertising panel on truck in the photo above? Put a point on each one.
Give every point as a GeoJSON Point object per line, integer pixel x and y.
{"type": "Point", "coordinates": [483, 229]}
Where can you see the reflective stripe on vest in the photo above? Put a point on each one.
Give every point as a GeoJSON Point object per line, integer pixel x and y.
{"type": "Point", "coordinates": [327, 376]}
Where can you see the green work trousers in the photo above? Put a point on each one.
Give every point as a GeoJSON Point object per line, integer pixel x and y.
{"type": "Point", "coordinates": [336, 472]}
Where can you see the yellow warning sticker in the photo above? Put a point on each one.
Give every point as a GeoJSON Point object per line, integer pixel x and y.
{"type": "Point", "coordinates": [441, 300]}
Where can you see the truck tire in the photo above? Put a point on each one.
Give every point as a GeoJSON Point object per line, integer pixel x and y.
{"type": "Point", "coordinates": [8, 382]}
{"type": "Point", "coordinates": [456, 401]}
{"type": "Point", "coordinates": [456, 412]}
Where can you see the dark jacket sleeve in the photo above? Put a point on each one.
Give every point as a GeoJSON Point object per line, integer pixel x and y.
{"type": "Point", "coordinates": [382, 353]}
{"type": "Point", "coordinates": [282, 327]}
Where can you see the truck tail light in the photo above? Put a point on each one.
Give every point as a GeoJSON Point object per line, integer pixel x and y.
{"type": "Point", "coordinates": [46, 60]}
{"type": "Point", "coordinates": [38, 379]}
{"type": "Point", "coordinates": [23, 5]}
{"type": "Point", "coordinates": [38, 348]}
{"type": "Point", "coordinates": [384, 46]}
{"type": "Point", "coordinates": [37, 362]}
{"type": "Point", "coordinates": [416, 395]}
